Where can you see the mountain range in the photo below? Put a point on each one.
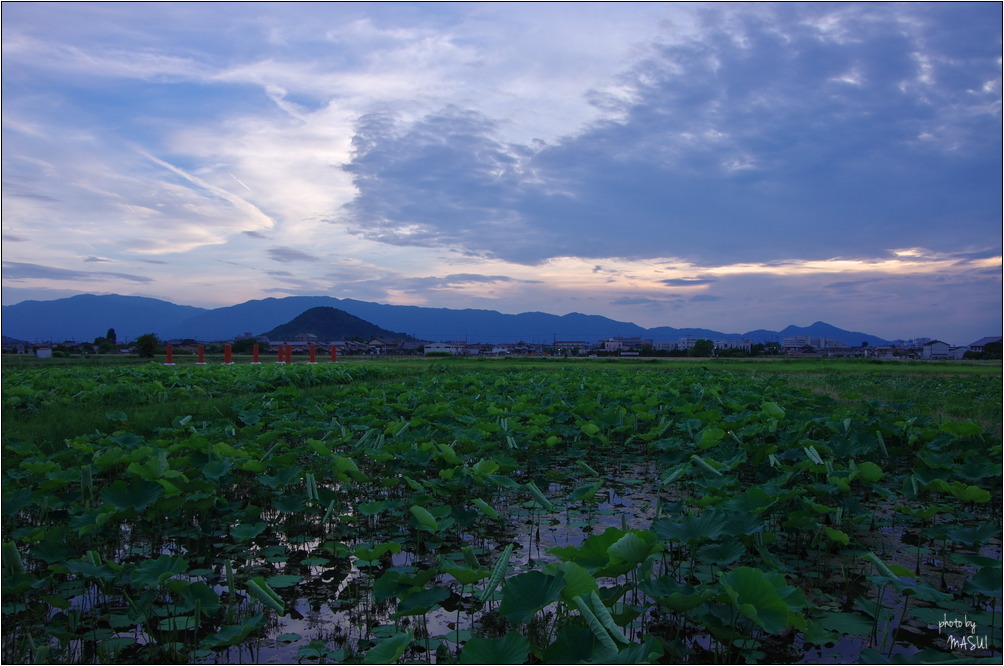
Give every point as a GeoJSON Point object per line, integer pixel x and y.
{"type": "Point", "coordinates": [87, 316]}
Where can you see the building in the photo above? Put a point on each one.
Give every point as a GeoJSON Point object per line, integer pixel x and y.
{"type": "Point", "coordinates": [619, 343]}
{"type": "Point", "coordinates": [800, 341]}
{"type": "Point", "coordinates": [444, 348]}
{"type": "Point", "coordinates": [981, 343]}
{"type": "Point", "coordinates": [935, 349]}
{"type": "Point", "coordinates": [571, 344]}
{"type": "Point", "coordinates": [746, 345]}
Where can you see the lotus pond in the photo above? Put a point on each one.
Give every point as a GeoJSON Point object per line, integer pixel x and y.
{"type": "Point", "coordinates": [448, 513]}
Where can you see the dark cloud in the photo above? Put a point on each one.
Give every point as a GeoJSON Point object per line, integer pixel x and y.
{"type": "Point", "coordinates": [255, 234]}
{"type": "Point", "coordinates": [768, 138]}
{"type": "Point", "coordinates": [288, 254]}
{"type": "Point", "coordinates": [443, 181]}
{"type": "Point", "coordinates": [639, 300]}
{"type": "Point", "coordinates": [704, 298]}
{"type": "Point", "coordinates": [685, 282]}
{"type": "Point", "coordinates": [90, 260]}
{"type": "Point", "coordinates": [11, 238]}
{"type": "Point", "coordinates": [13, 270]}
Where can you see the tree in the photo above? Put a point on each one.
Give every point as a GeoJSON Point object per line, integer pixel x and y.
{"type": "Point", "coordinates": [243, 346]}
{"type": "Point", "coordinates": [104, 345]}
{"type": "Point", "coordinates": [703, 348]}
{"type": "Point", "coordinates": [110, 336]}
{"type": "Point", "coordinates": [147, 345]}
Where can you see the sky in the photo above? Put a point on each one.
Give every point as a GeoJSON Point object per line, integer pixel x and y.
{"type": "Point", "coordinates": [728, 166]}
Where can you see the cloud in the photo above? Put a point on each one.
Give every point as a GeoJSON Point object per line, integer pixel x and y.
{"type": "Point", "coordinates": [628, 300]}
{"type": "Point", "coordinates": [453, 281]}
{"type": "Point", "coordinates": [13, 270]}
{"type": "Point", "coordinates": [288, 254]}
{"type": "Point", "coordinates": [612, 159]}
{"type": "Point", "coordinates": [686, 282]}
{"type": "Point", "coordinates": [742, 143]}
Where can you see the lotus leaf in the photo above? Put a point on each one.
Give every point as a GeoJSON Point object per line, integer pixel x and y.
{"type": "Point", "coordinates": [513, 648]}
{"type": "Point", "coordinates": [137, 495]}
{"type": "Point", "coordinates": [525, 594]}
{"type": "Point", "coordinates": [389, 649]}
{"type": "Point", "coordinates": [764, 598]}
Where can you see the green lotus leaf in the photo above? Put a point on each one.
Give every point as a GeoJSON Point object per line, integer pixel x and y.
{"type": "Point", "coordinates": [245, 531]}
{"type": "Point", "coordinates": [525, 594]}
{"type": "Point", "coordinates": [763, 598]}
{"type": "Point", "coordinates": [424, 518]}
{"type": "Point", "coordinates": [217, 469]}
{"type": "Point", "coordinates": [421, 602]}
{"type": "Point", "coordinates": [710, 525]}
{"type": "Point", "coordinates": [284, 580]}
{"type": "Point", "coordinates": [633, 548]}
{"type": "Point", "coordinates": [233, 634]}
{"type": "Point", "coordinates": [388, 650]}
{"type": "Point", "coordinates": [721, 553]}
{"type": "Point", "coordinates": [577, 580]}
{"type": "Point", "coordinates": [585, 492]}
{"type": "Point", "coordinates": [136, 495]}
{"type": "Point", "coordinates": [290, 503]}
{"type": "Point", "coordinates": [593, 553]}
{"type": "Point", "coordinates": [154, 572]}
{"type": "Point", "coordinates": [178, 623]}
{"type": "Point", "coordinates": [513, 648]}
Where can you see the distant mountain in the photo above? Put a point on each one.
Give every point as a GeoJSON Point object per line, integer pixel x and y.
{"type": "Point", "coordinates": [423, 323]}
{"type": "Point", "coordinates": [330, 324]}
{"type": "Point", "coordinates": [821, 329]}
{"type": "Point", "coordinates": [87, 317]}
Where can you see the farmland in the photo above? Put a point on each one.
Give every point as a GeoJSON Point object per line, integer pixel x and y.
{"type": "Point", "coordinates": [502, 511]}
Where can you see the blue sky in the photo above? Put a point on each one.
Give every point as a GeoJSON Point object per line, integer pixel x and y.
{"type": "Point", "coordinates": [729, 166]}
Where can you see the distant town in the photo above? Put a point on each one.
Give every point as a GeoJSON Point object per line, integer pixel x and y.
{"type": "Point", "coordinates": [308, 344]}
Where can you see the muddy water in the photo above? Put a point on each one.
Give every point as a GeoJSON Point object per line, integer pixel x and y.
{"type": "Point", "coordinates": [333, 606]}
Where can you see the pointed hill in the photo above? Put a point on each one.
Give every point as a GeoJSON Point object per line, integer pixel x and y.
{"type": "Point", "coordinates": [331, 324]}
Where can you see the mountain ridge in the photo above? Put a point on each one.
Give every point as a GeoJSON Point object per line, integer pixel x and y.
{"type": "Point", "coordinates": [87, 316]}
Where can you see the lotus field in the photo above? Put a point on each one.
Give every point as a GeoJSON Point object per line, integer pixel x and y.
{"type": "Point", "coordinates": [449, 512]}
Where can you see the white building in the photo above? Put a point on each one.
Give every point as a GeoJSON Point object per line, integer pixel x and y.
{"type": "Point", "coordinates": [799, 341]}
{"type": "Point", "coordinates": [734, 344]}
{"type": "Point", "coordinates": [619, 343]}
{"type": "Point", "coordinates": [935, 349]}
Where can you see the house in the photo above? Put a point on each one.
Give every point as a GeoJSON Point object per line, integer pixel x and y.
{"type": "Point", "coordinates": [935, 349]}
{"type": "Point", "coordinates": [981, 343]}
